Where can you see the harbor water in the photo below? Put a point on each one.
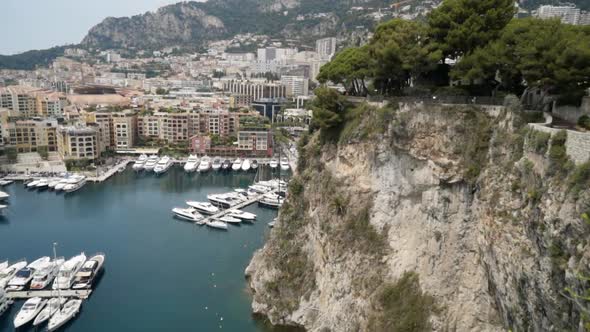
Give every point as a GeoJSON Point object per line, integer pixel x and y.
{"type": "Point", "coordinates": [161, 274]}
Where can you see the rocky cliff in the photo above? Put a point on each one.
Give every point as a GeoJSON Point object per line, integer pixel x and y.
{"type": "Point", "coordinates": [446, 218]}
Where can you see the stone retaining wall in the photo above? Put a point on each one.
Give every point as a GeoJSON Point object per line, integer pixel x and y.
{"type": "Point", "coordinates": [577, 144]}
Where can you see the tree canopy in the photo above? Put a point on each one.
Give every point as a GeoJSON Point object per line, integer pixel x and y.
{"type": "Point", "coordinates": [350, 67]}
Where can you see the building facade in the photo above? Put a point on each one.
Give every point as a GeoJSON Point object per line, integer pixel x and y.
{"type": "Point", "coordinates": [326, 47]}
{"type": "Point", "coordinates": [255, 89]}
{"type": "Point", "coordinates": [78, 142]}
{"type": "Point", "coordinates": [296, 85]}
{"type": "Point", "coordinates": [31, 135]}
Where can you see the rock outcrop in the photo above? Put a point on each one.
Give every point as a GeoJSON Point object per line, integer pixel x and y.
{"type": "Point", "coordinates": [453, 194]}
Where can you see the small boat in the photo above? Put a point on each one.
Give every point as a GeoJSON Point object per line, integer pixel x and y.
{"type": "Point", "coordinates": [25, 275]}
{"type": "Point", "coordinates": [163, 165]}
{"type": "Point", "coordinates": [33, 184]}
{"type": "Point", "coordinates": [3, 196]}
{"type": "Point", "coordinates": [271, 201]}
{"type": "Point", "coordinates": [242, 215]}
{"type": "Point", "coordinates": [230, 220]}
{"type": "Point", "coordinates": [285, 164]}
{"type": "Point", "coordinates": [88, 272]}
{"type": "Point", "coordinates": [224, 201]}
{"type": "Point", "coordinates": [28, 311]}
{"type": "Point", "coordinates": [5, 302]}
{"type": "Point", "coordinates": [53, 183]}
{"type": "Point", "coordinates": [75, 183]}
{"type": "Point", "coordinates": [246, 165]}
{"type": "Point", "coordinates": [205, 164]}
{"type": "Point", "coordinates": [191, 164]}
{"type": "Point", "coordinates": [67, 272]}
{"type": "Point", "coordinates": [69, 311]}
{"type": "Point", "coordinates": [61, 184]}
{"type": "Point", "coordinates": [217, 224]}
{"type": "Point", "coordinates": [150, 164]}
{"type": "Point", "coordinates": [274, 163]}
{"type": "Point", "coordinates": [254, 164]}
{"type": "Point", "coordinates": [190, 214]}
{"type": "Point", "coordinates": [52, 306]}
{"type": "Point", "coordinates": [8, 273]}
{"type": "Point", "coordinates": [272, 223]}
{"type": "Point", "coordinates": [203, 207]}
{"type": "Point", "coordinates": [45, 275]}
{"type": "Point", "coordinates": [237, 165]}
{"type": "Point", "coordinates": [140, 163]}
{"type": "Point", "coordinates": [260, 189]}
{"type": "Point", "coordinates": [43, 183]}
{"type": "Point", "coordinates": [226, 165]}
{"type": "Point", "coordinates": [5, 182]}
{"type": "Point", "coordinates": [216, 164]}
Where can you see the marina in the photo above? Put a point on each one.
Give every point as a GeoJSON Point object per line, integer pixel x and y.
{"type": "Point", "coordinates": [79, 294]}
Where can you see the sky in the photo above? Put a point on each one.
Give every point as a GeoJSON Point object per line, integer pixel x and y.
{"type": "Point", "coordinates": [40, 24]}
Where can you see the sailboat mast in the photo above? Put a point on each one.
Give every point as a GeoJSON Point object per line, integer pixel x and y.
{"type": "Point", "coordinates": [55, 260]}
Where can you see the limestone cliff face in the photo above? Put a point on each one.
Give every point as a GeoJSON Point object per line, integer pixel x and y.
{"type": "Point", "coordinates": [447, 194]}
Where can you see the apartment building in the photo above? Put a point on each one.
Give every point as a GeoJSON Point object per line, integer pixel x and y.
{"type": "Point", "coordinates": [79, 142]}
{"type": "Point", "coordinates": [567, 14]}
{"type": "Point", "coordinates": [256, 143]}
{"type": "Point", "coordinates": [255, 89]}
{"type": "Point", "coordinates": [29, 102]}
{"type": "Point", "coordinates": [296, 85]}
{"type": "Point", "coordinates": [326, 47]}
{"type": "Point", "coordinates": [124, 129]}
{"type": "Point", "coordinates": [238, 100]}
{"type": "Point", "coordinates": [30, 135]}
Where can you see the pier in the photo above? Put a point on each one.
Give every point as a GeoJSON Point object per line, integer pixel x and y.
{"type": "Point", "coordinates": [80, 294]}
{"type": "Point", "coordinates": [235, 207]}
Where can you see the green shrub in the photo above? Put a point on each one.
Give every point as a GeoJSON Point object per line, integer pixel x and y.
{"type": "Point", "coordinates": [580, 178]}
{"type": "Point", "coordinates": [402, 306]}
{"type": "Point", "coordinates": [584, 122]}
{"type": "Point", "coordinates": [559, 163]}
{"type": "Point", "coordinates": [539, 141]}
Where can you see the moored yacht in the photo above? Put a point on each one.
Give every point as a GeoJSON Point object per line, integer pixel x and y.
{"type": "Point", "coordinates": [28, 311]}
{"type": "Point", "coordinates": [191, 164]}
{"type": "Point", "coordinates": [247, 216]}
{"type": "Point", "coordinates": [225, 200]}
{"type": "Point", "coordinates": [259, 188]}
{"type": "Point", "coordinates": [43, 184]}
{"type": "Point", "coordinates": [140, 162]}
{"type": "Point", "coordinates": [150, 164]}
{"type": "Point", "coordinates": [45, 274]}
{"type": "Point", "coordinates": [5, 302]}
{"type": "Point", "coordinates": [226, 165]}
{"type": "Point", "coordinates": [69, 311]}
{"type": "Point", "coordinates": [190, 214]}
{"type": "Point", "coordinates": [237, 165]}
{"type": "Point", "coordinates": [75, 183]}
{"type": "Point", "coordinates": [163, 165]}
{"type": "Point", "coordinates": [61, 184]}
{"type": "Point", "coordinates": [53, 183]}
{"type": "Point", "coordinates": [216, 164]}
{"type": "Point", "coordinates": [67, 272]}
{"type": "Point", "coordinates": [254, 164]}
{"type": "Point", "coordinates": [52, 306]}
{"type": "Point", "coordinates": [9, 272]}
{"type": "Point", "coordinates": [285, 164]}
{"type": "Point", "coordinates": [205, 164]}
{"type": "Point", "coordinates": [230, 220]}
{"type": "Point", "coordinates": [84, 278]}
{"type": "Point", "coordinates": [274, 163]}
{"type": "Point", "coordinates": [217, 224]}
{"type": "Point", "coordinates": [3, 196]}
{"type": "Point", "coordinates": [33, 184]}
{"type": "Point", "coordinates": [246, 165]}
{"type": "Point", "coordinates": [203, 207]}
{"type": "Point", "coordinates": [271, 201]}
{"type": "Point", "coordinates": [4, 182]}
{"type": "Point", "coordinates": [22, 278]}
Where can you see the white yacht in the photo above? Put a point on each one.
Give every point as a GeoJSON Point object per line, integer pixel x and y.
{"type": "Point", "coordinates": [43, 183]}
{"type": "Point", "coordinates": [33, 184]}
{"type": "Point", "coordinates": [216, 164]}
{"type": "Point", "coordinates": [285, 164]}
{"type": "Point", "coordinates": [25, 275]}
{"type": "Point", "coordinates": [53, 183]}
{"type": "Point", "coordinates": [84, 278]}
{"type": "Point", "coordinates": [237, 165]}
{"type": "Point", "coordinates": [190, 214]}
{"type": "Point", "coordinates": [246, 165]}
{"type": "Point", "coordinates": [272, 223]}
{"type": "Point", "coordinates": [140, 162]}
{"type": "Point", "coordinates": [45, 274]}
{"type": "Point", "coordinates": [254, 164]}
{"type": "Point", "coordinates": [274, 163]}
{"type": "Point", "coordinates": [225, 201]}
{"type": "Point", "coordinates": [259, 188]}
{"type": "Point", "coordinates": [75, 183]}
{"type": "Point", "coordinates": [163, 165]}
{"type": "Point", "coordinates": [3, 196]}
{"type": "Point", "coordinates": [247, 216]}
{"type": "Point", "coordinates": [52, 306]}
{"type": "Point", "coordinates": [28, 311]}
{"type": "Point", "coordinates": [217, 224]}
{"type": "Point", "coordinates": [67, 272]}
{"type": "Point", "coordinates": [205, 164]}
{"type": "Point", "coordinates": [2, 208]}
{"type": "Point", "coordinates": [61, 184]}
{"type": "Point", "coordinates": [5, 182]}
{"type": "Point", "coordinates": [9, 272]}
{"type": "Point", "coordinates": [150, 164]}
{"type": "Point", "coordinates": [271, 201]}
{"type": "Point", "coordinates": [67, 312]}
{"type": "Point", "coordinates": [226, 165]}
{"type": "Point", "coordinates": [191, 164]}
{"type": "Point", "coordinates": [230, 220]}
{"type": "Point", "coordinates": [5, 302]}
{"type": "Point", "coordinates": [203, 207]}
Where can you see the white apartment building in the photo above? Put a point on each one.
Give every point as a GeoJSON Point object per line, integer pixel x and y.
{"type": "Point", "coordinates": [255, 89]}
{"type": "Point", "coordinates": [296, 85]}
{"type": "Point", "coordinates": [326, 47]}
{"type": "Point", "coordinates": [567, 14]}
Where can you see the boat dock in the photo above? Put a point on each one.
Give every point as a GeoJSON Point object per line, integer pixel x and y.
{"type": "Point", "coordinates": [235, 207]}
{"type": "Point", "coordinates": [80, 294]}
{"type": "Point", "coordinates": [112, 171]}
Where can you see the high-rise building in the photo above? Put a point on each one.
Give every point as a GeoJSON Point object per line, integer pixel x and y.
{"type": "Point", "coordinates": [255, 89]}
{"type": "Point", "coordinates": [326, 47]}
{"type": "Point", "coordinates": [567, 14]}
{"type": "Point", "coordinates": [124, 129]}
{"type": "Point", "coordinates": [296, 85]}
{"type": "Point", "coordinates": [584, 18]}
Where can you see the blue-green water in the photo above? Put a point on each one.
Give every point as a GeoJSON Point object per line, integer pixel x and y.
{"type": "Point", "coordinates": [160, 274]}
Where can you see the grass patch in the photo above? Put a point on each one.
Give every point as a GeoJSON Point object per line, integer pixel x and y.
{"type": "Point", "coordinates": [539, 141]}
{"type": "Point", "coordinates": [475, 143]}
{"type": "Point", "coordinates": [365, 121]}
{"type": "Point", "coordinates": [580, 178]}
{"type": "Point", "coordinates": [402, 307]}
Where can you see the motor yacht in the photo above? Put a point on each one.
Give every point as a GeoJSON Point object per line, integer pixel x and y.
{"type": "Point", "coordinates": [260, 189]}
{"type": "Point", "coordinates": [84, 278]}
{"type": "Point", "coordinates": [254, 164]}
{"type": "Point", "coordinates": [53, 183]}
{"type": "Point", "coordinates": [190, 214]}
{"type": "Point", "coordinates": [3, 196]}
{"type": "Point", "coordinates": [274, 163]}
{"type": "Point", "coordinates": [217, 224]}
{"type": "Point", "coordinates": [246, 165]}
{"type": "Point", "coordinates": [285, 164]}
{"type": "Point", "coordinates": [75, 183]}
{"type": "Point", "coordinates": [67, 312]}
{"type": "Point", "coordinates": [163, 165]}
{"type": "Point", "coordinates": [67, 272]}
{"type": "Point", "coordinates": [237, 165]}
{"type": "Point", "coordinates": [192, 164]}
{"type": "Point", "coordinates": [205, 164]}
{"type": "Point", "coordinates": [140, 163]}
{"type": "Point", "coordinates": [61, 184]}
{"type": "Point", "coordinates": [4, 182]}
{"type": "Point", "coordinates": [32, 184]}
{"type": "Point", "coordinates": [28, 311]}
{"type": "Point", "coordinates": [8, 273]}
{"type": "Point", "coordinates": [25, 275]}
{"type": "Point", "coordinates": [203, 207]}
{"type": "Point", "coordinates": [225, 201]}
{"type": "Point", "coordinates": [52, 306]}
{"type": "Point", "coordinates": [5, 302]}
{"type": "Point", "coordinates": [271, 201]}
{"type": "Point", "coordinates": [45, 274]}
{"type": "Point", "coordinates": [247, 216]}
{"type": "Point", "coordinates": [150, 164]}
{"type": "Point", "coordinates": [216, 164]}
{"type": "Point", "coordinates": [226, 165]}
{"type": "Point", "coordinates": [230, 220]}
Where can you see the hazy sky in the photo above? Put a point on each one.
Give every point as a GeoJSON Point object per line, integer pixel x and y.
{"type": "Point", "coordinates": [39, 24]}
